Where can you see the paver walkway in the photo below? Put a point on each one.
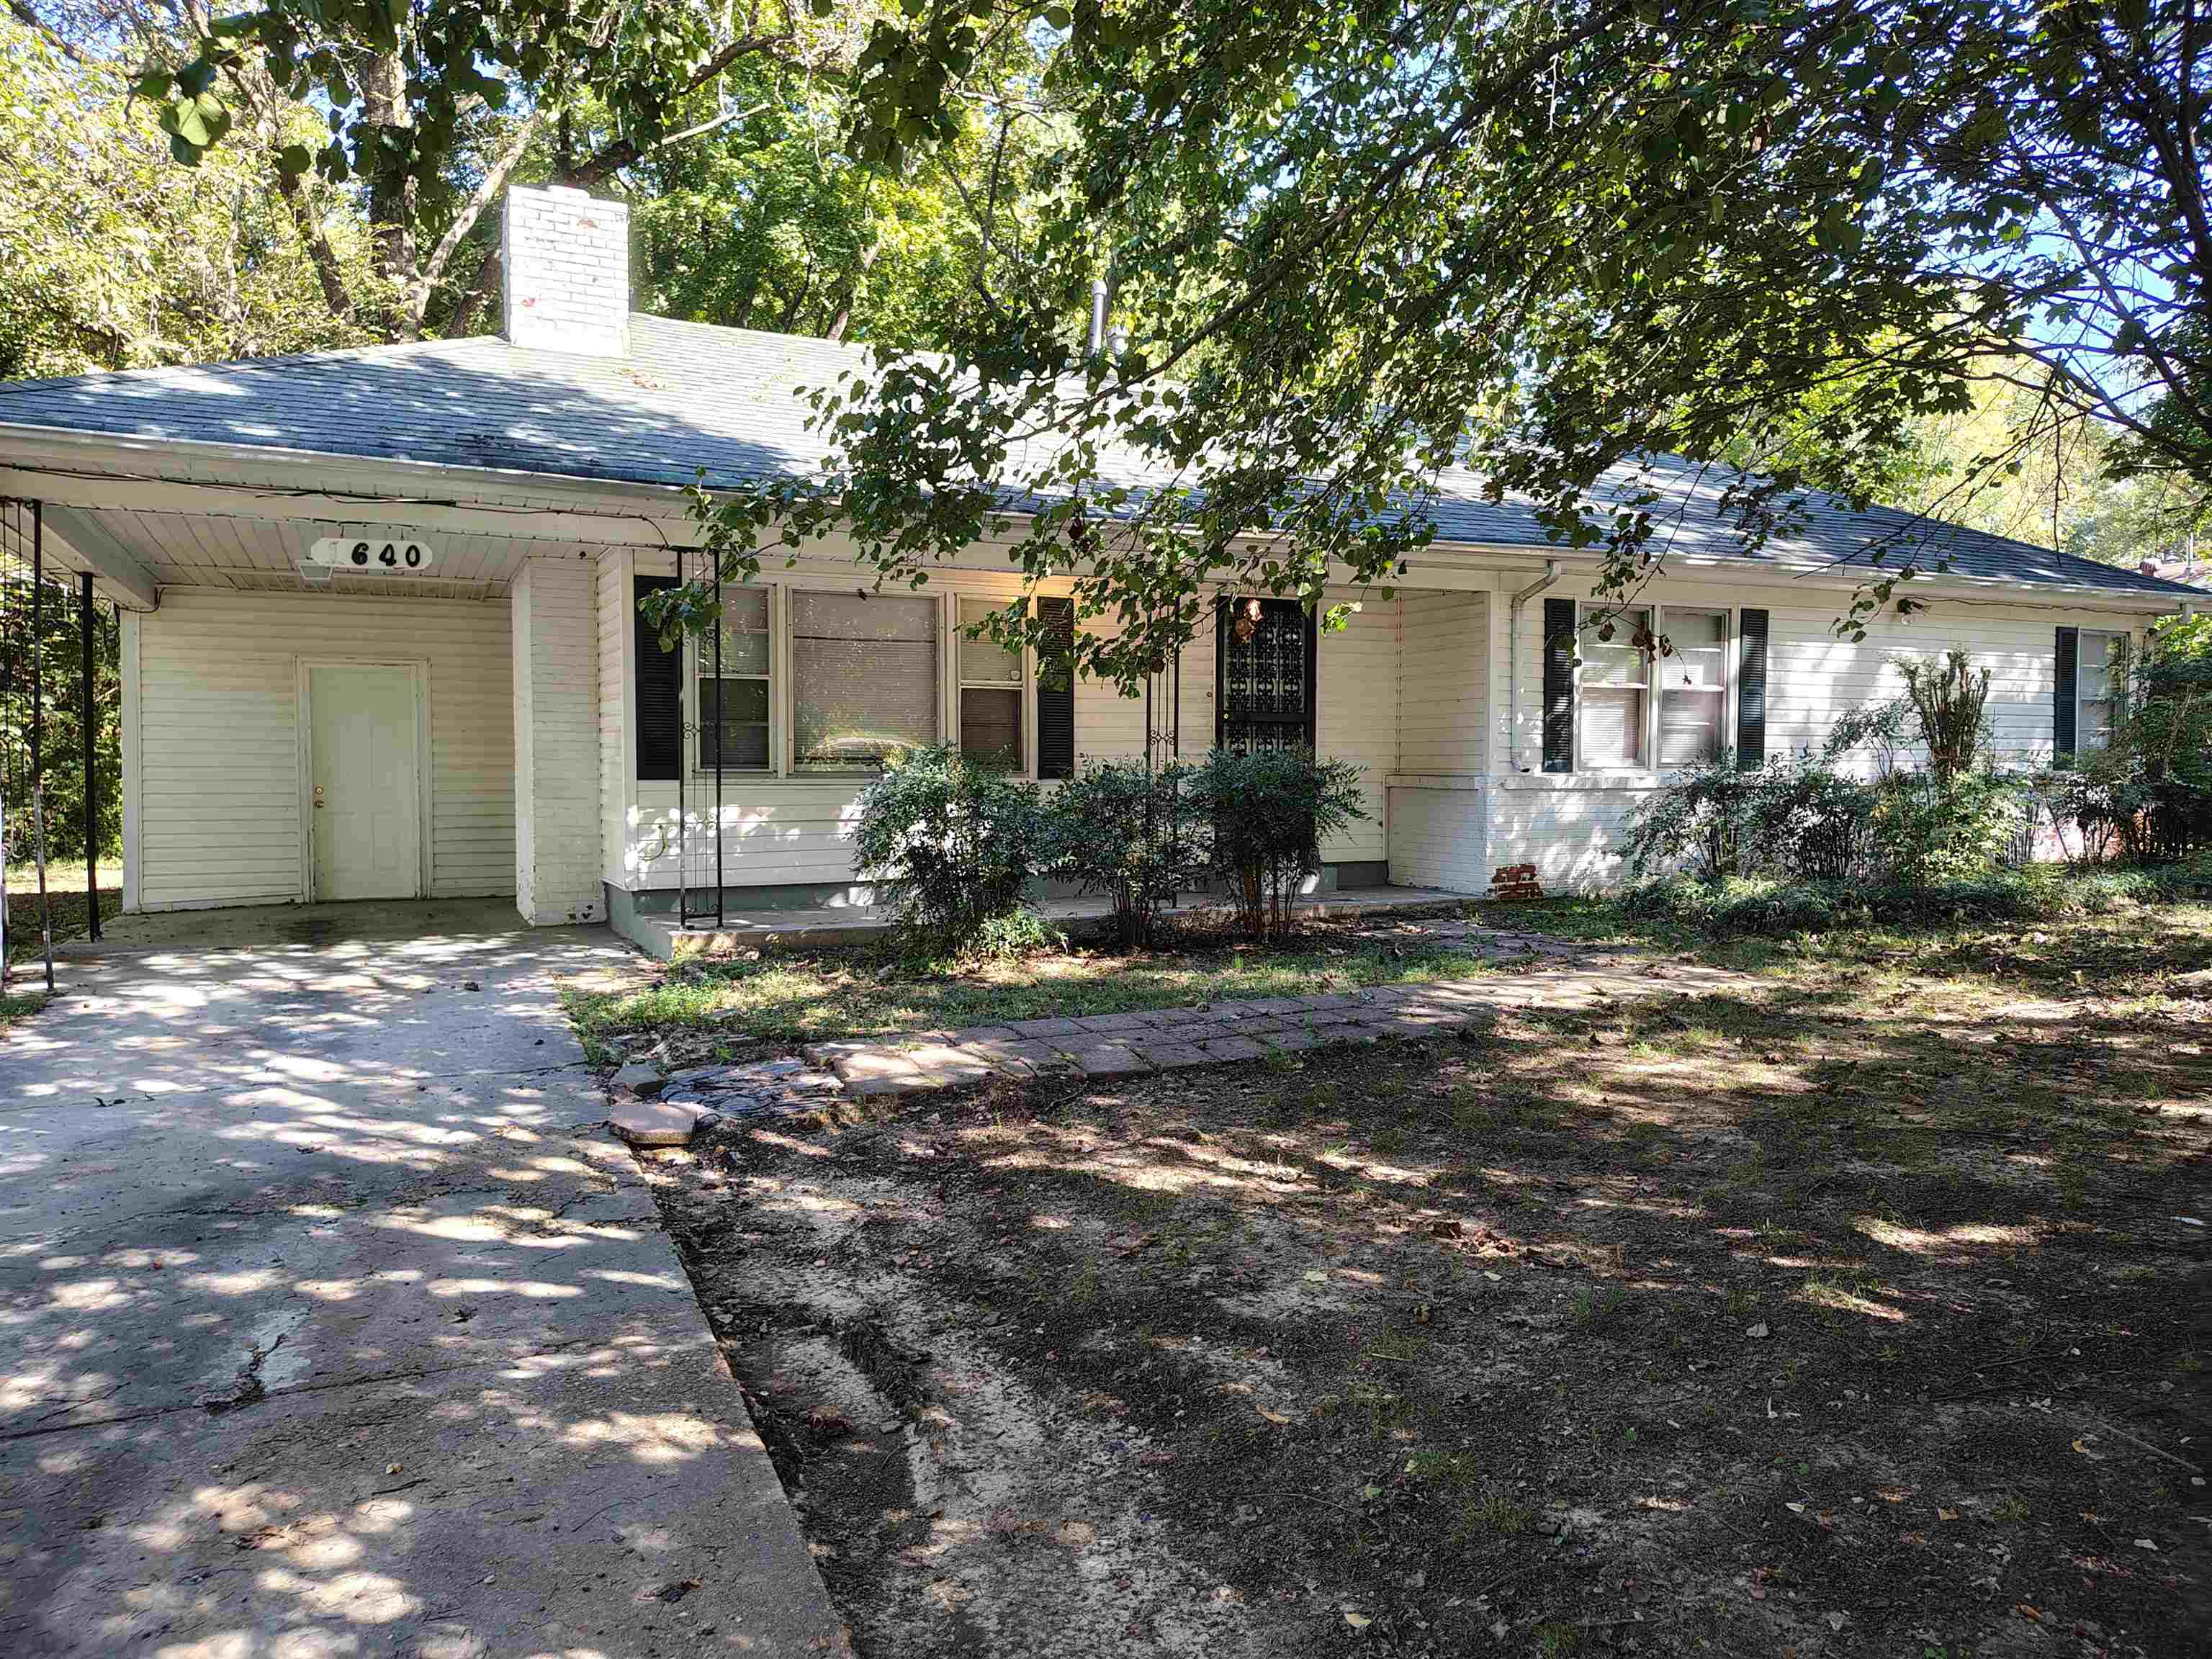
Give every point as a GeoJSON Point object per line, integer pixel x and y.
{"type": "Point", "coordinates": [330, 1325]}
{"type": "Point", "coordinates": [1170, 1039]}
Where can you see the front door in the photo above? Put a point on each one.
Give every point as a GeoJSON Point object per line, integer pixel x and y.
{"type": "Point", "coordinates": [364, 813]}
{"type": "Point", "coordinates": [1263, 667]}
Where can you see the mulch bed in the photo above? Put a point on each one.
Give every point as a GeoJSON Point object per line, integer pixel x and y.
{"type": "Point", "coordinates": [1712, 1328]}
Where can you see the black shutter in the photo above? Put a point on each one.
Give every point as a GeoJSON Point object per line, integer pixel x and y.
{"type": "Point", "coordinates": [1558, 685]}
{"type": "Point", "coordinates": [1751, 695]}
{"type": "Point", "coordinates": [2064, 737]}
{"type": "Point", "coordinates": [659, 693]}
{"type": "Point", "coordinates": [1056, 695]}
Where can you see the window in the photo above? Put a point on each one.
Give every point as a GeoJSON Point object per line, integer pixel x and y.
{"type": "Point", "coordinates": [733, 708]}
{"type": "Point", "coordinates": [1616, 685]}
{"type": "Point", "coordinates": [2096, 690]}
{"type": "Point", "coordinates": [990, 695]}
{"type": "Point", "coordinates": [1692, 686]}
{"type": "Point", "coordinates": [863, 679]}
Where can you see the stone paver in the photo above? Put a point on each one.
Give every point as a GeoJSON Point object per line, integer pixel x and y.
{"type": "Point", "coordinates": [1552, 976]}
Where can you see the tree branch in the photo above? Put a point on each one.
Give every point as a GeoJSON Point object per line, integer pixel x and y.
{"type": "Point", "coordinates": [30, 19]}
{"type": "Point", "coordinates": [465, 221]}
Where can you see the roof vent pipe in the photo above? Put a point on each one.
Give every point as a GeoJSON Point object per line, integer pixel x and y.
{"type": "Point", "coordinates": [1097, 315]}
{"type": "Point", "coordinates": [1513, 661]}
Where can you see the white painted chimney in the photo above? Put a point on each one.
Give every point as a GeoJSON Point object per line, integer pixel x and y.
{"type": "Point", "coordinates": [566, 258]}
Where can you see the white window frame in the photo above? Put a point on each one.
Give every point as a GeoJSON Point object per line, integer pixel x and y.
{"type": "Point", "coordinates": [699, 663]}
{"type": "Point", "coordinates": [1023, 686]}
{"type": "Point", "coordinates": [2113, 694]}
{"type": "Point", "coordinates": [783, 663]}
{"type": "Point", "coordinates": [1586, 611]}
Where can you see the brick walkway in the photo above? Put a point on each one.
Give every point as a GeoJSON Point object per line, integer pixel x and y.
{"type": "Point", "coordinates": [1170, 1039]}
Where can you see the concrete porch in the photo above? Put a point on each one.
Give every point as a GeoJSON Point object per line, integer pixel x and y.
{"type": "Point", "coordinates": [659, 937]}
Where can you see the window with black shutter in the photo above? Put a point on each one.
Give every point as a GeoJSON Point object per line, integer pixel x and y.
{"type": "Point", "coordinates": [1056, 691]}
{"type": "Point", "coordinates": [1558, 685]}
{"type": "Point", "coordinates": [1750, 693]}
{"type": "Point", "coordinates": [660, 692]}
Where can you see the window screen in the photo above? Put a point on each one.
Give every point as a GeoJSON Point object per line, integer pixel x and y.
{"type": "Point", "coordinates": [1614, 685]}
{"type": "Point", "coordinates": [2098, 690]}
{"type": "Point", "coordinates": [733, 709]}
{"type": "Point", "coordinates": [990, 695]}
{"type": "Point", "coordinates": [864, 679]}
{"type": "Point", "coordinates": [1692, 687]}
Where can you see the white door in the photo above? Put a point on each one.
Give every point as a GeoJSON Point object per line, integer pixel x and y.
{"type": "Point", "coordinates": [364, 814]}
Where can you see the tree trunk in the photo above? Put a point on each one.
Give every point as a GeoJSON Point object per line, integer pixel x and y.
{"type": "Point", "coordinates": [851, 289]}
{"type": "Point", "coordinates": [387, 137]}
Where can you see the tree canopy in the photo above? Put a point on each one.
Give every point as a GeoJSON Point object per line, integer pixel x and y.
{"type": "Point", "coordinates": [1357, 245]}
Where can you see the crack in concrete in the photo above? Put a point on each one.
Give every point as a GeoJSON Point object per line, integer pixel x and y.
{"type": "Point", "coordinates": [266, 1395]}
{"type": "Point", "coordinates": [250, 1390]}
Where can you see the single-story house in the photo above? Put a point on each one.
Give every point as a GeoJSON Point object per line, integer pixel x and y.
{"type": "Point", "coordinates": [380, 634]}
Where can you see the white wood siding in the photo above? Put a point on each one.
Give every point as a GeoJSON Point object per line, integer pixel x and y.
{"type": "Point", "coordinates": [553, 606]}
{"type": "Point", "coordinates": [214, 777]}
{"type": "Point", "coordinates": [1356, 718]}
{"type": "Point", "coordinates": [1444, 668]}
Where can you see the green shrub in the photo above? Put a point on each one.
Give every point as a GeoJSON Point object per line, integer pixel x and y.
{"type": "Point", "coordinates": [1270, 814]}
{"type": "Point", "coordinates": [1930, 828]}
{"type": "Point", "coordinates": [1693, 823]}
{"type": "Point", "coordinates": [1138, 837]}
{"type": "Point", "coordinates": [1781, 907]}
{"type": "Point", "coordinates": [1808, 821]}
{"type": "Point", "coordinates": [951, 845]}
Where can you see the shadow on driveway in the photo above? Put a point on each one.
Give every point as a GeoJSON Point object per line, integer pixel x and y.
{"type": "Point", "coordinates": [331, 1323]}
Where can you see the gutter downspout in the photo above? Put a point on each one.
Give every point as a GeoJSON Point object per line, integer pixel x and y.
{"type": "Point", "coordinates": [1513, 659]}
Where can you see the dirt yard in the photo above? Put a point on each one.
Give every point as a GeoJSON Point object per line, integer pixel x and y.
{"type": "Point", "coordinates": [1868, 1316]}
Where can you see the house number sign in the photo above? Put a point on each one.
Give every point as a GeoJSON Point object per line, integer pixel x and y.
{"type": "Point", "coordinates": [373, 554]}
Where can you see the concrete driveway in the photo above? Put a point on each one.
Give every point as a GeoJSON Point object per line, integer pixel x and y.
{"type": "Point", "coordinates": [330, 1323]}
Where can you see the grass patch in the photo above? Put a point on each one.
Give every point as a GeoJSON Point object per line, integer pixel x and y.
{"type": "Point", "coordinates": [20, 1004]}
{"type": "Point", "coordinates": [68, 903]}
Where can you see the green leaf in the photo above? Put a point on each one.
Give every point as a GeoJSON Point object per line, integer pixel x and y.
{"type": "Point", "coordinates": [293, 160]}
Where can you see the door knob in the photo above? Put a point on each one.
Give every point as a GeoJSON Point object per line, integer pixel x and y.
{"type": "Point", "coordinates": [318, 795]}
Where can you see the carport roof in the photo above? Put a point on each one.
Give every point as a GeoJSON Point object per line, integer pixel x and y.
{"type": "Point", "coordinates": [691, 397]}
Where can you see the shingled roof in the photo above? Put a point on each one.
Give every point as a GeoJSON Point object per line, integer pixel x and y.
{"type": "Point", "coordinates": [691, 396]}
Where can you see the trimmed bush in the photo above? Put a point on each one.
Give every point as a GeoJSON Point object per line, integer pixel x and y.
{"type": "Point", "coordinates": [2040, 893]}
{"type": "Point", "coordinates": [951, 845]}
{"type": "Point", "coordinates": [1269, 813]}
{"type": "Point", "coordinates": [1137, 837]}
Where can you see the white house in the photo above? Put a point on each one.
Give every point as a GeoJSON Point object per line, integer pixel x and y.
{"type": "Point", "coordinates": [381, 636]}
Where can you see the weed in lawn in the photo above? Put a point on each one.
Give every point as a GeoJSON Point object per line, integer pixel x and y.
{"type": "Point", "coordinates": [1597, 1307]}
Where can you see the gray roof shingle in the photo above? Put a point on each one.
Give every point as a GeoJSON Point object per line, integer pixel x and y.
{"type": "Point", "coordinates": [691, 396]}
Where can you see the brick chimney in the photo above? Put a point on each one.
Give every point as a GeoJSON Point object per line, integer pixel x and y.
{"type": "Point", "coordinates": [566, 258]}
